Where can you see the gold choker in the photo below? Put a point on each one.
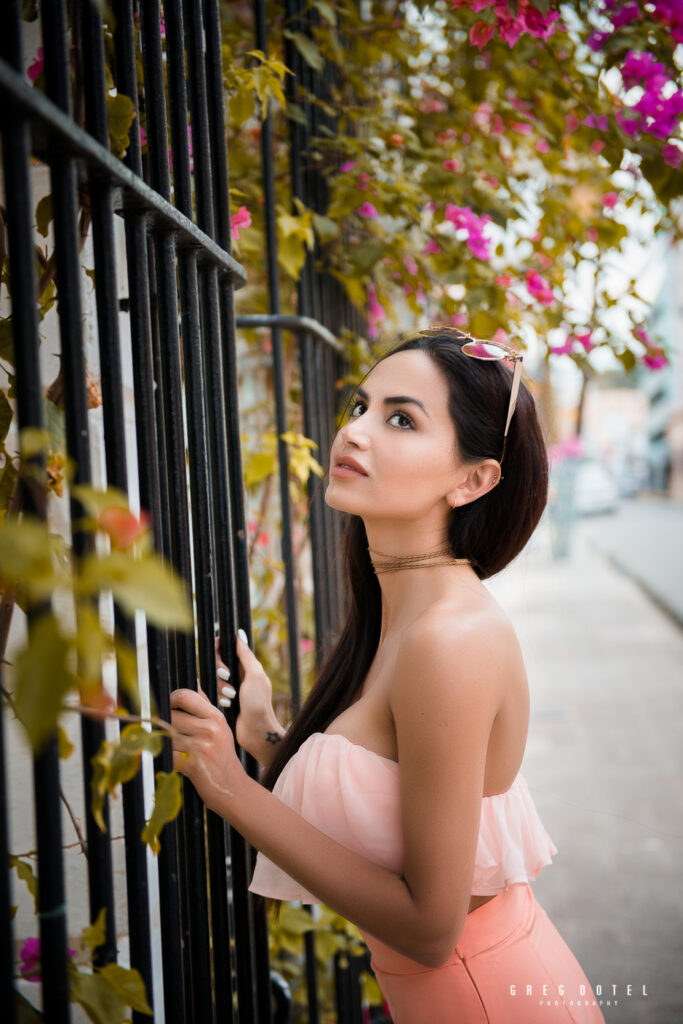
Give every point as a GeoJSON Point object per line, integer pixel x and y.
{"type": "Point", "coordinates": [382, 562]}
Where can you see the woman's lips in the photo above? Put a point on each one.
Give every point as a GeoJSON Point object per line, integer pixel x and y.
{"type": "Point", "coordinates": [345, 471]}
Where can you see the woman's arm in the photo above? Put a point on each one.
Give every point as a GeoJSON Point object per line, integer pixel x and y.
{"type": "Point", "coordinates": [444, 700]}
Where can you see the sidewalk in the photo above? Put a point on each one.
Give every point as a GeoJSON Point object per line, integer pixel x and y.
{"type": "Point", "coordinates": [644, 539]}
{"type": "Point", "coordinates": [604, 764]}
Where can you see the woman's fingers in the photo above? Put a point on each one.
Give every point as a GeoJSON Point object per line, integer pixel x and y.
{"type": "Point", "coordinates": [192, 701]}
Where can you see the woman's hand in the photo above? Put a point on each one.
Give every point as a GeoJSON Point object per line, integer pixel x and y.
{"type": "Point", "coordinates": [257, 728]}
{"type": "Point", "coordinates": [204, 749]}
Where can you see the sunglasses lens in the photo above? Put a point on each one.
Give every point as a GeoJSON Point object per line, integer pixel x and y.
{"type": "Point", "coordinates": [485, 350]}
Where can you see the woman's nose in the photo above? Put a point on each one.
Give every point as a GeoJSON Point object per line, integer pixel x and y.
{"type": "Point", "coordinates": [353, 431]}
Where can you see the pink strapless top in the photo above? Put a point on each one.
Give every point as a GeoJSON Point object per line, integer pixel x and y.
{"type": "Point", "coordinates": [352, 795]}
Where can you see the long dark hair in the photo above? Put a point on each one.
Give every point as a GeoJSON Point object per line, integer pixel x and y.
{"type": "Point", "coordinates": [491, 531]}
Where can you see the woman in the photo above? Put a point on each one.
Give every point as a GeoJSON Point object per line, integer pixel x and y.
{"type": "Point", "coordinates": [397, 799]}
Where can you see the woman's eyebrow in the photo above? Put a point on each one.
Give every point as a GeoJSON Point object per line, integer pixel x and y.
{"type": "Point", "coordinates": [395, 400]}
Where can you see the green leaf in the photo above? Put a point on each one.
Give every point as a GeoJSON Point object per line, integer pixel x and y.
{"type": "Point", "coordinates": [26, 558]}
{"type": "Point", "coordinates": [44, 215]}
{"type": "Point", "coordinates": [168, 800]}
{"type": "Point", "coordinates": [6, 414]}
{"type": "Point", "coordinates": [121, 111]}
{"type": "Point", "coordinates": [94, 934]}
{"type": "Point", "coordinates": [118, 762]}
{"type": "Point", "coordinates": [147, 583]}
{"type": "Point", "coordinates": [258, 468]}
{"type": "Point", "coordinates": [95, 501]}
{"type": "Point", "coordinates": [127, 981]}
{"type": "Point", "coordinates": [99, 998]}
{"type": "Point", "coordinates": [307, 48]}
{"type": "Point", "coordinates": [65, 746]}
{"type": "Point", "coordinates": [241, 106]}
{"type": "Point", "coordinates": [25, 873]}
{"type": "Point", "coordinates": [43, 679]}
{"type": "Point", "coordinates": [6, 346]}
{"type": "Point", "coordinates": [327, 11]}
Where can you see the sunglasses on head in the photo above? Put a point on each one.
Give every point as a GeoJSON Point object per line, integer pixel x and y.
{"type": "Point", "coordinates": [476, 348]}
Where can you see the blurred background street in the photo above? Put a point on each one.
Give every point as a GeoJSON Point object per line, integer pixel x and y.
{"type": "Point", "coordinates": [599, 620]}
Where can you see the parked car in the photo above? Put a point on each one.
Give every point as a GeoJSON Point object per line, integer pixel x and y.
{"type": "Point", "coordinates": [595, 489]}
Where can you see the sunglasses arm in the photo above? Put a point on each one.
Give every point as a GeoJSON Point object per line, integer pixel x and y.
{"type": "Point", "coordinates": [517, 376]}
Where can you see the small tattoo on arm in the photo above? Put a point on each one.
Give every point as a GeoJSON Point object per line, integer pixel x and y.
{"type": "Point", "coordinates": [273, 737]}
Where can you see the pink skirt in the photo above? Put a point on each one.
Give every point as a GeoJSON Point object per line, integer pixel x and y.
{"type": "Point", "coordinates": [510, 966]}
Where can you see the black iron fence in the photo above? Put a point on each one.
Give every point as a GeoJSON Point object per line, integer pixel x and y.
{"type": "Point", "coordinates": [180, 281]}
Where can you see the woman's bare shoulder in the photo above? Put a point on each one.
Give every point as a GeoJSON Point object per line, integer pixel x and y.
{"type": "Point", "coordinates": [450, 620]}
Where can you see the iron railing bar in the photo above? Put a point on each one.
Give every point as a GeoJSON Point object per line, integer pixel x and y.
{"type": "Point", "coordinates": [248, 920]}
{"type": "Point", "coordinates": [217, 492]}
{"type": "Point", "coordinates": [100, 869]}
{"type": "Point", "coordinates": [273, 278]}
{"type": "Point", "coordinates": [176, 963]}
{"type": "Point", "coordinates": [193, 810]}
{"type": "Point", "coordinates": [136, 195]}
{"type": "Point", "coordinates": [29, 405]}
{"type": "Point", "coordinates": [68, 273]}
{"type": "Point", "coordinates": [292, 323]}
{"type": "Point", "coordinates": [177, 98]}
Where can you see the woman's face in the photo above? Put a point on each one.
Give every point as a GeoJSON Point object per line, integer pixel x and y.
{"type": "Point", "coordinates": [400, 432]}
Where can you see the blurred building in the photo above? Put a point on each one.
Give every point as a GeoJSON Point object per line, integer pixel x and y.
{"type": "Point", "coordinates": [664, 387]}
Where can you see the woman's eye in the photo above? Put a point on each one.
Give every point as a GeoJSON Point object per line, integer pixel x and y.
{"type": "Point", "coordinates": [407, 422]}
{"type": "Point", "coordinates": [404, 416]}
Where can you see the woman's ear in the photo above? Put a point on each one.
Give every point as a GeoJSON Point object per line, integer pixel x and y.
{"type": "Point", "coordinates": [479, 481]}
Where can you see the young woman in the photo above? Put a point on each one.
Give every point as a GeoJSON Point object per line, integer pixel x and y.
{"type": "Point", "coordinates": [396, 797]}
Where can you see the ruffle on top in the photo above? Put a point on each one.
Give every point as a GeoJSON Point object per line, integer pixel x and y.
{"type": "Point", "coordinates": [352, 795]}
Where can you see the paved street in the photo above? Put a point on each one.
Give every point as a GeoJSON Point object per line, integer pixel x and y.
{"type": "Point", "coordinates": [605, 747]}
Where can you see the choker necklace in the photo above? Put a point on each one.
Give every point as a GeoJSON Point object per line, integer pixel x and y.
{"type": "Point", "coordinates": [382, 562]}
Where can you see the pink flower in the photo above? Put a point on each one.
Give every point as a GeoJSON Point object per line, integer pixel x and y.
{"type": "Point", "coordinates": [367, 210]}
{"type": "Point", "coordinates": [503, 281]}
{"type": "Point", "coordinates": [34, 69]}
{"type": "Point", "coordinates": [610, 200]}
{"type": "Point", "coordinates": [240, 220]}
{"type": "Point", "coordinates": [143, 136]}
{"type": "Point", "coordinates": [538, 288]}
{"type": "Point", "coordinates": [306, 645]}
{"type": "Point", "coordinates": [542, 146]}
{"type": "Point", "coordinates": [628, 13]}
{"type": "Point", "coordinates": [501, 337]}
{"type": "Point", "coordinates": [655, 362]}
{"type": "Point", "coordinates": [410, 265]}
{"type": "Point", "coordinates": [430, 247]}
{"type": "Point", "coordinates": [362, 181]}
{"type": "Point", "coordinates": [598, 121]}
{"type": "Point", "coordinates": [672, 154]}
{"type": "Point", "coordinates": [597, 146]}
{"type": "Point", "coordinates": [480, 33]}
{"type": "Point", "coordinates": [585, 339]}
{"type": "Point", "coordinates": [376, 314]}
{"type": "Point", "coordinates": [563, 350]}
{"type": "Point", "coordinates": [452, 165]}
{"type": "Point", "coordinates": [462, 218]}
{"type": "Point", "coordinates": [510, 30]}
{"type": "Point", "coordinates": [537, 24]}
{"type": "Point", "coordinates": [348, 166]}
{"type": "Point", "coordinates": [522, 127]}
{"type": "Point", "coordinates": [30, 966]}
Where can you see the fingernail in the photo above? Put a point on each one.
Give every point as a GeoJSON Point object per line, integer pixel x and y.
{"type": "Point", "coordinates": [243, 636]}
{"type": "Point", "coordinates": [224, 702]}
{"type": "Point", "coordinates": [228, 691]}
{"type": "Point", "coordinates": [223, 673]}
